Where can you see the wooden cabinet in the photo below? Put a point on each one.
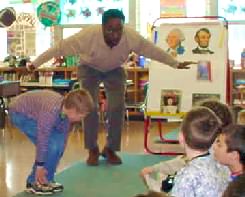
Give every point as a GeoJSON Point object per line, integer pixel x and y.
{"type": "Point", "coordinates": [238, 86]}
{"type": "Point", "coordinates": [136, 91]}
{"type": "Point", "coordinates": [137, 77]}
{"type": "Point", "coordinates": [61, 72]}
{"type": "Point", "coordinates": [41, 77]}
{"type": "Point", "coordinates": [15, 73]}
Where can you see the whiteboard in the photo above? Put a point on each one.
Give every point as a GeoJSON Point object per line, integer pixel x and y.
{"type": "Point", "coordinates": [192, 87]}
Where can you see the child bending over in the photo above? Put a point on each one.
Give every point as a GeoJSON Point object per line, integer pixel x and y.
{"type": "Point", "coordinates": [45, 117]}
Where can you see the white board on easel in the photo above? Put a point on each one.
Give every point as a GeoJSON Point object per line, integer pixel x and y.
{"type": "Point", "coordinates": [163, 78]}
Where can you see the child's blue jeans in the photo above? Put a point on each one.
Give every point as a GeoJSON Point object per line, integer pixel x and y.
{"type": "Point", "coordinates": [56, 143]}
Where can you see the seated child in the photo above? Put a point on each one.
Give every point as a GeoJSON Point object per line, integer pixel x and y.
{"type": "Point", "coordinates": [229, 149]}
{"type": "Point", "coordinates": [236, 188]}
{"type": "Point", "coordinates": [170, 167]}
{"type": "Point", "coordinates": [200, 176]}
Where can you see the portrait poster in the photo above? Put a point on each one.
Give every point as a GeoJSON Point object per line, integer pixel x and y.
{"type": "Point", "coordinates": [170, 101]}
{"type": "Point", "coordinates": [174, 8]}
{"type": "Point", "coordinates": [199, 97]}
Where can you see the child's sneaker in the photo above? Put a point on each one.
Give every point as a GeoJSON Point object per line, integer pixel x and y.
{"type": "Point", "coordinates": [57, 187]}
{"type": "Point", "coordinates": [36, 188]}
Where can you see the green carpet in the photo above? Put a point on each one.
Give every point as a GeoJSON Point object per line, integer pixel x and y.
{"type": "Point", "coordinates": [172, 135]}
{"type": "Point", "coordinates": [105, 180]}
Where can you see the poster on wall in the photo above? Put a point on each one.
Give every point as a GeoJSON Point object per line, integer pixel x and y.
{"type": "Point", "coordinates": [15, 42]}
{"type": "Point", "coordinates": [30, 43]}
{"type": "Point", "coordinates": [21, 36]}
{"type": "Point", "coordinates": [203, 43]}
{"type": "Point", "coordinates": [174, 8]}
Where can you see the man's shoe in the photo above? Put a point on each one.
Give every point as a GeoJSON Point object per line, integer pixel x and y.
{"type": "Point", "coordinates": [39, 189]}
{"type": "Point", "coordinates": [57, 187]}
{"type": "Point", "coordinates": [111, 156]}
{"type": "Point", "coordinates": [93, 157]}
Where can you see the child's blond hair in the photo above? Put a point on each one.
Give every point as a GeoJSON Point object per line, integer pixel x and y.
{"type": "Point", "coordinates": [80, 100]}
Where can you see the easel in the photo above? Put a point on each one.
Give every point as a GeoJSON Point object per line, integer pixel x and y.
{"type": "Point", "coordinates": [161, 118]}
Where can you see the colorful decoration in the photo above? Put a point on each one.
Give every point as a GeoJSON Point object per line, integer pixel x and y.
{"type": "Point", "coordinates": [49, 13]}
{"type": "Point", "coordinates": [72, 1]}
{"type": "Point", "coordinates": [86, 12]}
{"type": "Point", "coordinates": [7, 17]}
{"type": "Point", "coordinates": [71, 13]}
{"type": "Point", "coordinates": [26, 19]}
{"type": "Point", "coordinates": [100, 10]}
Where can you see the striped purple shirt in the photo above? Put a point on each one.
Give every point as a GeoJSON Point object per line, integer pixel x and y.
{"type": "Point", "coordinates": [44, 107]}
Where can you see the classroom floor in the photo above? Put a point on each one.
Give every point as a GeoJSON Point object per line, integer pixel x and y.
{"type": "Point", "coordinates": [17, 153]}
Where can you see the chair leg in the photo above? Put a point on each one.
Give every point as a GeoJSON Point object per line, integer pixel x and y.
{"type": "Point", "coordinates": [127, 116]}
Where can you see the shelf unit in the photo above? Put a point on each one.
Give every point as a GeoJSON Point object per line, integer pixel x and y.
{"type": "Point", "coordinates": [66, 71]}
{"type": "Point", "coordinates": [135, 93]}
{"type": "Point", "coordinates": [12, 73]}
{"type": "Point", "coordinates": [135, 90]}
{"type": "Point", "coordinates": [237, 91]}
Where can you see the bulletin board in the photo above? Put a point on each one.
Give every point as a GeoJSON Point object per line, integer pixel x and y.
{"type": "Point", "coordinates": [178, 90]}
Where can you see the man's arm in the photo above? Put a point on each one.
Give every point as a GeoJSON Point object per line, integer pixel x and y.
{"type": "Point", "coordinates": [147, 48]}
{"type": "Point", "coordinates": [73, 45]}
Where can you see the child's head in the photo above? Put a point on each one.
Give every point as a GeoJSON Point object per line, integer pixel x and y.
{"type": "Point", "coordinates": [236, 188]}
{"type": "Point", "coordinates": [199, 129]}
{"type": "Point", "coordinates": [222, 111]}
{"type": "Point", "coordinates": [229, 147]}
{"type": "Point", "coordinates": [77, 104]}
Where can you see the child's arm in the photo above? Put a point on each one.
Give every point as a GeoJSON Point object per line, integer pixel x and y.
{"type": "Point", "coordinates": [170, 167]}
{"type": "Point", "coordinates": [165, 167]}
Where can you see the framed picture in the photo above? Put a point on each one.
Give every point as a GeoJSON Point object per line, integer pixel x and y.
{"type": "Point", "coordinates": [204, 70]}
{"type": "Point", "coordinates": [199, 97]}
{"type": "Point", "coordinates": [170, 101]}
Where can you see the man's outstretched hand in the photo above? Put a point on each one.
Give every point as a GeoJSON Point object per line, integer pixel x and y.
{"type": "Point", "coordinates": [185, 64]}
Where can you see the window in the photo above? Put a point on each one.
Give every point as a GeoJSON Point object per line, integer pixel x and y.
{"type": "Point", "coordinates": [234, 12]}
{"type": "Point", "coordinates": [89, 12]}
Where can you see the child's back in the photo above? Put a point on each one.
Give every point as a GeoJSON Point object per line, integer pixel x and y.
{"type": "Point", "coordinates": [201, 176]}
